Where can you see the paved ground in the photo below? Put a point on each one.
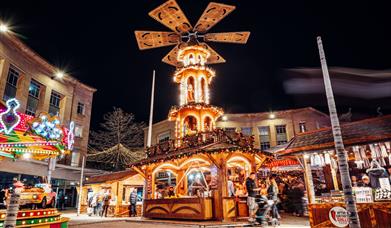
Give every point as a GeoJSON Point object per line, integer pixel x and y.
{"type": "Point", "coordinates": [84, 221]}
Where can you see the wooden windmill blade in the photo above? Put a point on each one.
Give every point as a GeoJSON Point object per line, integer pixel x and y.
{"type": "Point", "coordinates": [228, 37]}
{"type": "Point", "coordinates": [214, 57]}
{"type": "Point", "coordinates": [171, 57]}
{"type": "Point", "coordinates": [155, 39]}
{"type": "Point", "coordinates": [171, 15]}
{"type": "Point", "coordinates": [212, 15]}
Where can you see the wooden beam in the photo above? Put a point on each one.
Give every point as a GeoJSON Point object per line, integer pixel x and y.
{"type": "Point", "coordinates": [139, 171]}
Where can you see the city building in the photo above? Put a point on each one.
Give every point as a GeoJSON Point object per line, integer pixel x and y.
{"type": "Point", "coordinates": [268, 128]}
{"type": "Point", "coordinates": [41, 88]}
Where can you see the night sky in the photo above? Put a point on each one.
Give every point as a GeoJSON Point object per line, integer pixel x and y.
{"type": "Point", "coordinates": [94, 42]}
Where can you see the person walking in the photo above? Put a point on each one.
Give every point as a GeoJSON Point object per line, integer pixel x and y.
{"type": "Point", "coordinates": [273, 195]}
{"type": "Point", "coordinates": [99, 204]}
{"type": "Point", "coordinates": [133, 202]}
{"type": "Point", "coordinates": [106, 203]}
{"type": "Point", "coordinates": [251, 191]}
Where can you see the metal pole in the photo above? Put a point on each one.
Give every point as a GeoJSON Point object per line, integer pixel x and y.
{"type": "Point", "coordinates": [81, 186]}
{"type": "Point", "coordinates": [343, 165]}
{"type": "Point", "coordinates": [149, 139]}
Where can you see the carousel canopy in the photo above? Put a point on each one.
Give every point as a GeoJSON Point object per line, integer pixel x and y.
{"type": "Point", "coordinates": [360, 132]}
{"type": "Point", "coordinates": [28, 136]}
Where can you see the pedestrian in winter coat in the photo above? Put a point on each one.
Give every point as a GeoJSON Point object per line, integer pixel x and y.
{"type": "Point", "coordinates": [133, 202]}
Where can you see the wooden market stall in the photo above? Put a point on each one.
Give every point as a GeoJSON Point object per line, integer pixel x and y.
{"type": "Point", "coordinates": [196, 174]}
{"type": "Point", "coordinates": [367, 143]}
{"type": "Point", "coordinates": [119, 184]}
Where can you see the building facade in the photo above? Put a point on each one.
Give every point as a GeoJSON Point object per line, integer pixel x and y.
{"type": "Point", "coordinates": [268, 128]}
{"type": "Point", "coordinates": [29, 78]}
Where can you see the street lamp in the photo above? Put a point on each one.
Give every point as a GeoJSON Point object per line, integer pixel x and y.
{"type": "Point", "coordinates": [3, 28]}
{"type": "Point", "coordinates": [59, 74]}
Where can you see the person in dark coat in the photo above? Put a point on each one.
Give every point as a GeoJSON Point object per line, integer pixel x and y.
{"type": "Point", "coordinates": [133, 202]}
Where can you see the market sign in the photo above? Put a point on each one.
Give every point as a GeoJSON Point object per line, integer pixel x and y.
{"type": "Point", "coordinates": [339, 216]}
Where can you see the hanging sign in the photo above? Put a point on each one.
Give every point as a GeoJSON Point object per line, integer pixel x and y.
{"type": "Point", "coordinates": [339, 216]}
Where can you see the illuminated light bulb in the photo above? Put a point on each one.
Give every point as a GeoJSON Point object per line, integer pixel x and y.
{"type": "Point", "coordinates": [59, 74]}
{"type": "Point", "coordinates": [225, 118]}
{"type": "Point", "coordinates": [272, 116]}
{"type": "Point", "coordinates": [26, 156]}
{"type": "Point", "coordinates": [4, 28]}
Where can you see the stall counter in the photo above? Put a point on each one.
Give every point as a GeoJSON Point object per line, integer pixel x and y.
{"type": "Point", "coordinates": [195, 208]}
{"type": "Point", "coordinates": [377, 214]}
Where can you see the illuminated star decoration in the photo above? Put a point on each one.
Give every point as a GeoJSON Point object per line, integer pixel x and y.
{"type": "Point", "coordinates": [47, 127]}
{"type": "Point", "coordinates": [71, 135]}
{"type": "Point", "coordinates": [9, 119]}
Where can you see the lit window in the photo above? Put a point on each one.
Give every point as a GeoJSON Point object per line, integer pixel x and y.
{"type": "Point", "coordinates": [78, 131]}
{"type": "Point", "coordinates": [281, 134]}
{"type": "Point", "coordinates": [247, 130]}
{"type": "Point", "coordinates": [80, 108]}
{"type": "Point", "coordinates": [12, 82]}
{"type": "Point", "coordinates": [302, 127]}
{"type": "Point", "coordinates": [75, 158]}
{"type": "Point", "coordinates": [55, 99]}
{"type": "Point", "coordinates": [33, 99]}
{"type": "Point", "coordinates": [264, 137]}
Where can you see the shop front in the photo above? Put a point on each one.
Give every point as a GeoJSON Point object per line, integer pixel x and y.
{"type": "Point", "coordinates": [191, 182]}
{"type": "Point", "coordinates": [367, 144]}
{"type": "Point", "coordinates": [119, 186]}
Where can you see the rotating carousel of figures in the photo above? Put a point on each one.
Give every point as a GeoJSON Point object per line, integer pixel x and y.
{"type": "Point", "coordinates": [31, 138]}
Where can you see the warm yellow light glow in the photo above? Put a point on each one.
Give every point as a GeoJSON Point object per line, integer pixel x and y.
{"type": "Point", "coordinates": [4, 28]}
{"type": "Point", "coordinates": [198, 160]}
{"type": "Point", "coordinates": [238, 158]}
{"type": "Point", "coordinates": [272, 116]}
{"type": "Point", "coordinates": [225, 118]}
{"type": "Point", "coordinates": [165, 165]}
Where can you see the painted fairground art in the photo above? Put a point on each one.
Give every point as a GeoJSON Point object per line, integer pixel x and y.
{"type": "Point", "coordinates": [27, 137]}
{"type": "Point", "coordinates": [196, 165]}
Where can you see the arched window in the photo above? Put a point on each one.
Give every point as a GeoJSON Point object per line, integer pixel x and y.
{"type": "Point", "coordinates": [203, 88]}
{"type": "Point", "coordinates": [190, 125]}
{"type": "Point", "coordinates": [190, 89]}
{"type": "Point", "coordinates": [207, 123]}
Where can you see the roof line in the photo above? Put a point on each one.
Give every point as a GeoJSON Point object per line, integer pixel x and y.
{"type": "Point", "coordinates": [347, 124]}
{"type": "Point", "coordinates": [19, 44]}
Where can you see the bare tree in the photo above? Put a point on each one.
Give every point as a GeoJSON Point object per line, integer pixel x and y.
{"type": "Point", "coordinates": [118, 142]}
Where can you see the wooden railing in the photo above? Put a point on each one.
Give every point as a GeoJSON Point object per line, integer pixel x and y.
{"type": "Point", "coordinates": [201, 139]}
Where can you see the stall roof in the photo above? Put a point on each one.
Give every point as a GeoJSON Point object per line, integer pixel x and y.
{"type": "Point", "coordinates": [218, 146]}
{"type": "Point", "coordinates": [111, 177]}
{"type": "Point", "coordinates": [355, 133]}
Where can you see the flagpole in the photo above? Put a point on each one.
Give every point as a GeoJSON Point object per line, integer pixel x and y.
{"type": "Point", "coordinates": [149, 139]}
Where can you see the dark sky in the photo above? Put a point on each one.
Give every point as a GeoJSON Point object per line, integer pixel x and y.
{"type": "Point", "coordinates": [94, 41]}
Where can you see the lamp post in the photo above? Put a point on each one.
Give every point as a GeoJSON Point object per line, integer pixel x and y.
{"type": "Point", "coordinates": [343, 165]}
